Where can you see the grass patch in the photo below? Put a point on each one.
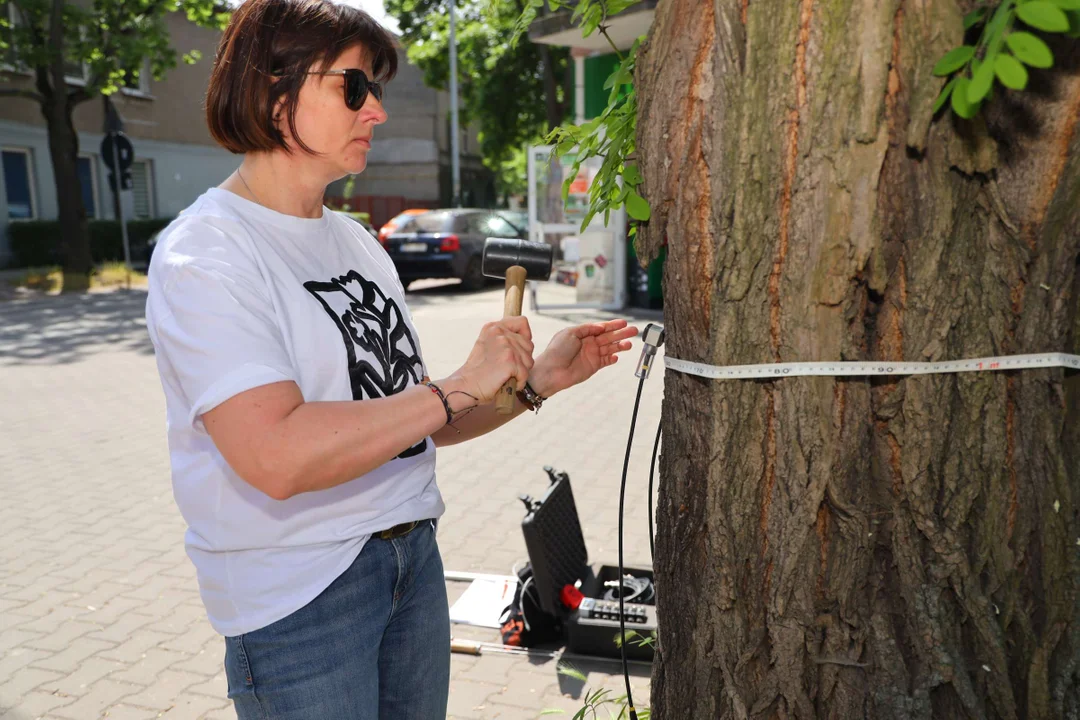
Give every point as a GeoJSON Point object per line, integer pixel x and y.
{"type": "Point", "coordinates": [115, 274]}
{"type": "Point", "coordinates": [51, 279]}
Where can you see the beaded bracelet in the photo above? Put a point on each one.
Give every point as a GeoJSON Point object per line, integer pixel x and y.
{"type": "Point", "coordinates": [446, 405]}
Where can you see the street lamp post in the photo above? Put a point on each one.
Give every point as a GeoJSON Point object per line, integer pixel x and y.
{"type": "Point", "coordinates": [455, 160]}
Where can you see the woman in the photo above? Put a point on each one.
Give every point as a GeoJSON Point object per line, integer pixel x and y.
{"type": "Point", "coordinates": [302, 425]}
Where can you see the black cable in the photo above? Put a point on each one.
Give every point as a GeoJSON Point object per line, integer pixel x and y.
{"type": "Point", "coordinates": [652, 474]}
{"type": "Point", "coordinates": [622, 500]}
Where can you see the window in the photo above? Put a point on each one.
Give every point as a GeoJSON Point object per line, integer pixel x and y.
{"type": "Point", "coordinates": [138, 84]}
{"type": "Point", "coordinates": [87, 170]}
{"type": "Point", "coordinates": [19, 183]}
{"type": "Point", "coordinates": [9, 13]}
{"type": "Point", "coordinates": [75, 72]}
{"type": "Point", "coordinates": [497, 226]}
{"type": "Point", "coordinates": [491, 225]}
{"type": "Point", "coordinates": [405, 226]}
{"type": "Point", "coordinates": [432, 222]}
{"type": "Point", "coordinates": [142, 188]}
{"type": "Point", "coordinates": [461, 223]}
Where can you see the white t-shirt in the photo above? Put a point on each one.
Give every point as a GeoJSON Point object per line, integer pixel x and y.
{"type": "Point", "coordinates": [242, 296]}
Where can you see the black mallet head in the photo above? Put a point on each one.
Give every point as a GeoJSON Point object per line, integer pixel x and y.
{"type": "Point", "coordinates": [501, 254]}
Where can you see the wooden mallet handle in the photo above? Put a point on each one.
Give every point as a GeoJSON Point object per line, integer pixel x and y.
{"type": "Point", "coordinates": [466, 647]}
{"type": "Point", "coordinates": [515, 292]}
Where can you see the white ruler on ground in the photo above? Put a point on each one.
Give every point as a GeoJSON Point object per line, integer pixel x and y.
{"type": "Point", "coordinates": [876, 367]}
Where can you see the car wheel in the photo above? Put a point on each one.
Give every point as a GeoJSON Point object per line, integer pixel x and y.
{"type": "Point", "coordinates": [473, 279]}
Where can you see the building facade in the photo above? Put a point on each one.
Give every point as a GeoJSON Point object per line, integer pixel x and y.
{"type": "Point", "coordinates": [594, 62]}
{"type": "Point", "coordinates": [409, 165]}
{"type": "Point", "coordinates": [176, 159]}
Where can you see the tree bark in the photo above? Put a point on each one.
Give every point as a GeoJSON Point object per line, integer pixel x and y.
{"type": "Point", "coordinates": [554, 109]}
{"type": "Point", "coordinates": [861, 547]}
{"type": "Point", "coordinates": [57, 107]}
{"type": "Point", "coordinates": [64, 151]}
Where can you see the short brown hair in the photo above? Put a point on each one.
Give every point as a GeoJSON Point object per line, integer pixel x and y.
{"type": "Point", "coordinates": [262, 56]}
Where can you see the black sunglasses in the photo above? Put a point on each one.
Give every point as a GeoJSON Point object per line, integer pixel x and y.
{"type": "Point", "coordinates": [357, 86]}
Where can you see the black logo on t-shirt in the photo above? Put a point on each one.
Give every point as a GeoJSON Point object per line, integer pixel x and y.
{"type": "Point", "coordinates": [389, 361]}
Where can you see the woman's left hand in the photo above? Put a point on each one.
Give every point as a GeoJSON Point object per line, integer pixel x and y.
{"type": "Point", "coordinates": [576, 354]}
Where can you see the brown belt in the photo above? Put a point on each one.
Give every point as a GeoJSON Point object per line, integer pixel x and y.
{"type": "Point", "coordinates": [399, 530]}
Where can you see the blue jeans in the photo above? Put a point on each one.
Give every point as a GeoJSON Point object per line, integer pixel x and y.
{"type": "Point", "coordinates": [373, 645]}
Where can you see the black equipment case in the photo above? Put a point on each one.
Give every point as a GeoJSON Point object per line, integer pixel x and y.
{"type": "Point", "coordinates": [557, 554]}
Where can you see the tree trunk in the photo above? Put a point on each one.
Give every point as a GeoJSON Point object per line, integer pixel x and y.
{"type": "Point", "coordinates": [861, 547]}
{"type": "Point", "coordinates": [57, 106]}
{"type": "Point", "coordinates": [75, 233]}
{"type": "Point", "coordinates": [552, 106]}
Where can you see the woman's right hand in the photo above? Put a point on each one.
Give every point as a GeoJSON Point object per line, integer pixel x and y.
{"type": "Point", "coordinates": [504, 351]}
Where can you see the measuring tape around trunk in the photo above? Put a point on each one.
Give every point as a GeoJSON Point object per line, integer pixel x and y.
{"type": "Point", "coordinates": [772, 371]}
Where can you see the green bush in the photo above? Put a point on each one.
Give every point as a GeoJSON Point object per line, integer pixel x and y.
{"type": "Point", "coordinates": [36, 243]}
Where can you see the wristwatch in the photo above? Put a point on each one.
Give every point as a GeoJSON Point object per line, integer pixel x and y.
{"type": "Point", "coordinates": [530, 398]}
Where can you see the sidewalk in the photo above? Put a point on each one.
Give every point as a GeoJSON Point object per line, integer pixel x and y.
{"type": "Point", "coordinates": [99, 610]}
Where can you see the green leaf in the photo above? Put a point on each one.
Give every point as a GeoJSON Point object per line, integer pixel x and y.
{"type": "Point", "coordinates": [591, 22]}
{"type": "Point", "coordinates": [619, 77]}
{"type": "Point", "coordinates": [1067, 4]}
{"type": "Point", "coordinates": [974, 17]}
{"type": "Point", "coordinates": [954, 60]}
{"type": "Point", "coordinates": [1043, 15]}
{"type": "Point", "coordinates": [981, 82]}
{"type": "Point", "coordinates": [589, 215]}
{"type": "Point", "coordinates": [1074, 20]}
{"type": "Point", "coordinates": [566, 185]}
{"type": "Point", "coordinates": [944, 96]}
{"type": "Point", "coordinates": [565, 146]}
{"type": "Point", "coordinates": [1030, 50]}
{"type": "Point", "coordinates": [960, 103]}
{"type": "Point", "coordinates": [637, 207]}
{"type": "Point", "coordinates": [1010, 72]}
{"type": "Point", "coordinates": [631, 175]}
{"type": "Point", "coordinates": [569, 670]}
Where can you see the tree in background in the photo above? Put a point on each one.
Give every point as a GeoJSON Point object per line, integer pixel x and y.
{"type": "Point", "coordinates": [514, 92]}
{"type": "Point", "coordinates": [111, 42]}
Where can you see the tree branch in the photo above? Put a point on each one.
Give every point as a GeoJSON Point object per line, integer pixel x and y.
{"type": "Point", "coordinates": [569, 91]}
{"type": "Point", "coordinates": [56, 45]}
{"type": "Point", "coordinates": [41, 79]}
{"type": "Point", "coordinates": [41, 75]}
{"type": "Point", "coordinates": [28, 94]}
{"type": "Point", "coordinates": [78, 95]}
{"type": "Point", "coordinates": [603, 28]}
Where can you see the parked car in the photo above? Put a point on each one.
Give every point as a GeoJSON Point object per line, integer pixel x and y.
{"type": "Point", "coordinates": [517, 218]}
{"type": "Point", "coordinates": [447, 244]}
{"type": "Point", "coordinates": [395, 222]}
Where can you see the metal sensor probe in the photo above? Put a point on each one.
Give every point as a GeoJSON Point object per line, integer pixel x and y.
{"type": "Point", "coordinates": [653, 337]}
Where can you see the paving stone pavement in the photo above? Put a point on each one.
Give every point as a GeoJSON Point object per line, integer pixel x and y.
{"type": "Point", "coordinates": [99, 610]}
